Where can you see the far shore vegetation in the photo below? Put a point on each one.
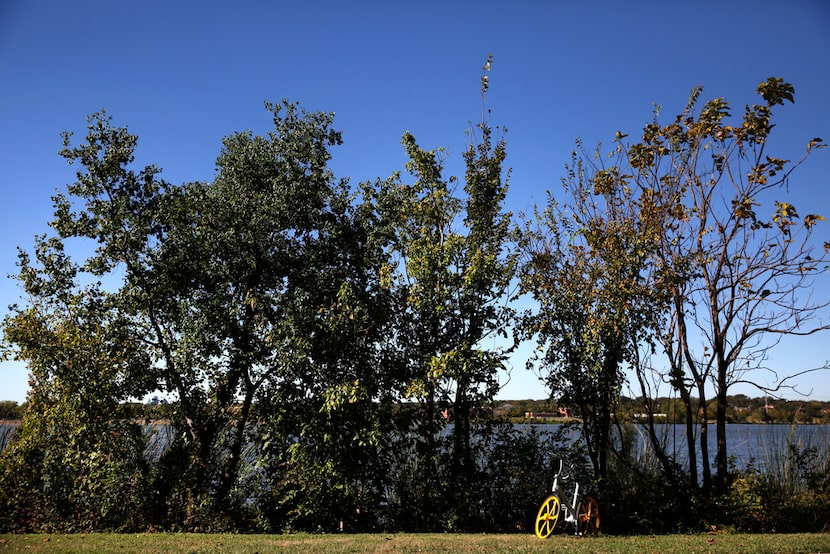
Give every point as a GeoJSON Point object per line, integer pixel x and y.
{"type": "Point", "coordinates": [741, 409]}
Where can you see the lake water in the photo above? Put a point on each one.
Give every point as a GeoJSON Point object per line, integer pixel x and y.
{"type": "Point", "coordinates": [6, 431]}
{"type": "Point", "coordinates": [764, 446]}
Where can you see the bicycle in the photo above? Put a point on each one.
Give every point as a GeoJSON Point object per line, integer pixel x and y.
{"type": "Point", "coordinates": [583, 512]}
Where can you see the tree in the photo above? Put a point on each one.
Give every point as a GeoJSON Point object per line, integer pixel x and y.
{"type": "Point", "coordinates": [584, 263]}
{"type": "Point", "coordinates": [718, 273]}
{"type": "Point", "coordinates": [737, 274]}
{"type": "Point", "coordinates": [244, 276]}
{"type": "Point", "coordinates": [453, 287]}
{"type": "Point", "coordinates": [247, 293]}
{"type": "Point", "coordinates": [77, 462]}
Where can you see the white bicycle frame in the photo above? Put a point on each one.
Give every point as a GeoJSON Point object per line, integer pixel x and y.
{"type": "Point", "coordinates": [569, 509]}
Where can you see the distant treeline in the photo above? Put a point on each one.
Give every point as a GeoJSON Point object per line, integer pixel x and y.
{"type": "Point", "coordinates": [9, 409]}
{"type": "Point", "coordinates": [742, 409]}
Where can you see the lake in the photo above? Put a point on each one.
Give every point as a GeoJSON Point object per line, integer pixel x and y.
{"type": "Point", "coordinates": [6, 430]}
{"type": "Point", "coordinates": [764, 446]}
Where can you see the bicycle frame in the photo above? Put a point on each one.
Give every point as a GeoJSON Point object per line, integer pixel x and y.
{"type": "Point", "coordinates": [569, 508]}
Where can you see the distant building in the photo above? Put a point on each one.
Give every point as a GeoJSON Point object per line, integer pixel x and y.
{"type": "Point", "coordinates": [563, 413]}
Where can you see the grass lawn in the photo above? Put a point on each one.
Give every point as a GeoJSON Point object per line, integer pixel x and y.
{"type": "Point", "coordinates": [309, 544]}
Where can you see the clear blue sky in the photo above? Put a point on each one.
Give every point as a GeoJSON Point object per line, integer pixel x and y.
{"type": "Point", "coordinates": [182, 75]}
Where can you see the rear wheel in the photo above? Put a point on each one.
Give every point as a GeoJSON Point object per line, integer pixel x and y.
{"type": "Point", "coordinates": [587, 516]}
{"type": "Point", "coordinates": [547, 517]}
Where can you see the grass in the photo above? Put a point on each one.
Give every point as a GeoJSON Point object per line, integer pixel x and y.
{"type": "Point", "coordinates": [401, 543]}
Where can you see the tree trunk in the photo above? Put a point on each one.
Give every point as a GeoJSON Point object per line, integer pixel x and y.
{"type": "Point", "coordinates": [720, 427]}
{"type": "Point", "coordinates": [704, 446]}
{"type": "Point", "coordinates": [659, 448]}
{"type": "Point", "coordinates": [690, 439]}
{"type": "Point", "coordinates": [231, 469]}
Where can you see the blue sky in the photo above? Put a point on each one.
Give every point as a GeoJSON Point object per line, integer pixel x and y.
{"type": "Point", "coordinates": [181, 75]}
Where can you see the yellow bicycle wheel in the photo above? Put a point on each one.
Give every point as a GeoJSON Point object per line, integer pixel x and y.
{"type": "Point", "coordinates": [547, 517]}
{"type": "Point", "coordinates": [587, 517]}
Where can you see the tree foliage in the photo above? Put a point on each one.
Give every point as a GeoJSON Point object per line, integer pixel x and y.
{"type": "Point", "coordinates": [256, 290]}
{"type": "Point", "coordinates": [77, 463]}
{"type": "Point", "coordinates": [316, 339]}
{"type": "Point", "coordinates": [663, 259]}
{"type": "Point", "coordinates": [452, 250]}
{"type": "Point", "coordinates": [584, 265]}
{"type": "Point", "coordinates": [739, 273]}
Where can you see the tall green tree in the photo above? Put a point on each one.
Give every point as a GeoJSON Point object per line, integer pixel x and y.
{"type": "Point", "coordinates": [250, 296]}
{"type": "Point", "coordinates": [77, 462]}
{"type": "Point", "coordinates": [584, 264]}
{"type": "Point", "coordinates": [242, 275]}
{"type": "Point", "coordinates": [455, 273]}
